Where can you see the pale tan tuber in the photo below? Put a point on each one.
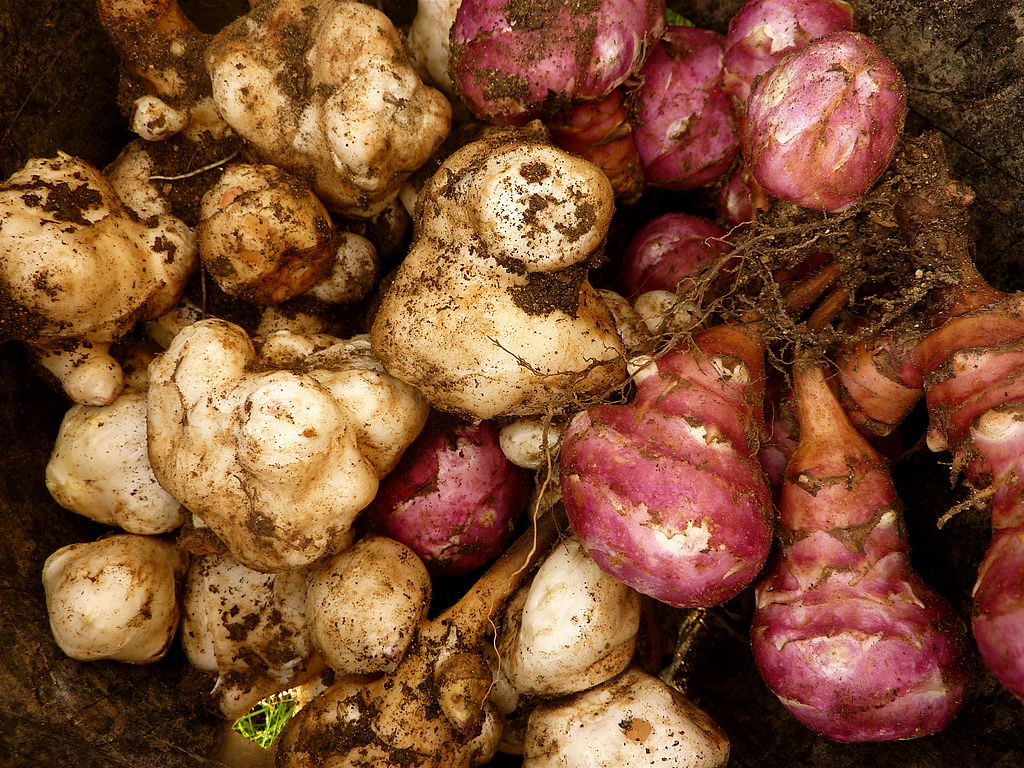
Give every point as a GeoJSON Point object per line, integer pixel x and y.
{"type": "Point", "coordinates": [78, 269]}
{"type": "Point", "coordinates": [161, 51]}
{"type": "Point", "coordinates": [571, 628]}
{"type": "Point", "coordinates": [345, 110]}
{"type": "Point", "coordinates": [278, 453]}
{"type": "Point", "coordinates": [248, 628]}
{"type": "Point", "coordinates": [491, 313]}
{"type": "Point", "coordinates": [365, 604]}
{"type": "Point", "coordinates": [99, 467]}
{"type": "Point", "coordinates": [631, 721]}
{"type": "Point", "coordinates": [263, 235]}
{"type": "Point", "coordinates": [115, 598]}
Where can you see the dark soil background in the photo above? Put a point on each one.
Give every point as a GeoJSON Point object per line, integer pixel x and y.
{"type": "Point", "coordinates": [964, 65]}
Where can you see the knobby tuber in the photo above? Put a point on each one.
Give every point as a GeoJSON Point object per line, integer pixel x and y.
{"type": "Point", "coordinates": [78, 269]}
{"type": "Point", "coordinates": [347, 111]}
{"type": "Point", "coordinates": [571, 628]}
{"type": "Point", "coordinates": [115, 598]}
{"type": "Point", "coordinates": [490, 314]}
{"type": "Point", "coordinates": [276, 450]}
{"type": "Point", "coordinates": [432, 711]}
{"type": "Point", "coordinates": [248, 628]}
{"type": "Point", "coordinates": [99, 467]}
{"type": "Point", "coordinates": [364, 605]}
{"type": "Point", "coordinates": [632, 721]}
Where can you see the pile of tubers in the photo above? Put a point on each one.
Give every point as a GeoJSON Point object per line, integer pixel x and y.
{"type": "Point", "coordinates": [389, 340]}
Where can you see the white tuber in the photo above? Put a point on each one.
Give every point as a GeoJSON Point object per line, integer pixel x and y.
{"type": "Point", "coordinates": [531, 442]}
{"type": "Point", "coordinates": [346, 110]}
{"type": "Point", "coordinates": [666, 312]}
{"type": "Point", "coordinates": [115, 598]}
{"type": "Point", "coordinates": [263, 235]}
{"type": "Point", "coordinates": [632, 326]}
{"type": "Point", "coordinates": [571, 628]}
{"type": "Point", "coordinates": [631, 721]}
{"type": "Point", "coordinates": [78, 269]}
{"type": "Point", "coordinates": [249, 628]}
{"type": "Point", "coordinates": [277, 461]}
{"type": "Point", "coordinates": [429, 40]}
{"type": "Point", "coordinates": [100, 468]}
{"type": "Point", "coordinates": [365, 604]}
{"type": "Point", "coordinates": [490, 314]}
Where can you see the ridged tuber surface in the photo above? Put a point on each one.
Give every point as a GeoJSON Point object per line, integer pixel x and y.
{"type": "Point", "coordinates": [665, 493]}
{"type": "Point", "coordinates": [846, 634]}
{"type": "Point", "coordinates": [326, 91]}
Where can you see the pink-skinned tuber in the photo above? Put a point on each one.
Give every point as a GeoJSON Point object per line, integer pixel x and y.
{"type": "Point", "coordinates": [686, 126]}
{"type": "Point", "coordinates": [115, 598]}
{"type": "Point", "coordinates": [822, 124]}
{"type": "Point", "coordinates": [347, 112]}
{"type": "Point", "coordinates": [514, 61]}
{"type": "Point", "coordinates": [665, 252]}
{"type": "Point", "coordinates": [602, 132]}
{"type": "Point", "coordinates": [763, 32]}
{"type": "Point", "coordinates": [665, 492]}
{"type": "Point", "coordinates": [631, 721]}
{"type": "Point", "coordinates": [432, 710]}
{"type": "Point", "coordinates": [454, 499]}
{"type": "Point", "coordinates": [277, 450]}
{"type": "Point", "coordinates": [78, 269]}
{"type": "Point", "coordinates": [852, 641]}
{"type": "Point", "coordinates": [491, 314]}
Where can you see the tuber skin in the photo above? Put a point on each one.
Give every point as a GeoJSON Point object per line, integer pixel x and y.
{"type": "Point", "coordinates": [763, 32]}
{"type": "Point", "coordinates": [99, 467]}
{"type": "Point", "coordinates": [263, 235]}
{"type": "Point", "coordinates": [512, 62]}
{"type": "Point", "coordinates": [686, 125]}
{"type": "Point", "coordinates": [432, 711]}
{"type": "Point", "coordinates": [276, 452]}
{"type": "Point", "coordinates": [454, 498]}
{"type": "Point", "coordinates": [491, 314]}
{"type": "Point", "coordinates": [248, 628]}
{"type": "Point", "coordinates": [632, 721]}
{"type": "Point", "coordinates": [853, 642]}
{"type": "Point", "coordinates": [363, 605]}
{"type": "Point", "coordinates": [669, 249]}
{"type": "Point", "coordinates": [571, 628]}
{"type": "Point", "coordinates": [347, 112]}
{"type": "Point", "coordinates": [965, 358]}
{"type": "Point", "coordinates": [161, 50]}
{"type": "Point", "coordinates": [115, 598]}
{"type": "Point", "coordinates": [666, 492]}
{"type": "Point", "coordinates": [78, 269]}
{"type": "Point", "coordinates": [602, 132]}
{"type": "Point", "coordinates": [822, 125]}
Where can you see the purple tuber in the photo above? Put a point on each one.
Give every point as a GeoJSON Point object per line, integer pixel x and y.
{"type": "Point", "coordinates": [763, 32]}
{"type": "Point", "coordinates": [664, 252]}
{"type": "Point", "coordinates": [454, 497]}
{"type": "Point", "coordinates": [853, 642]}
{"type": "Point", "coordinates": [513, 60]}
{"type": "Point", "coordinates": [686, 127]}
{"type": "Point", "coordinates": [822, 124]}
